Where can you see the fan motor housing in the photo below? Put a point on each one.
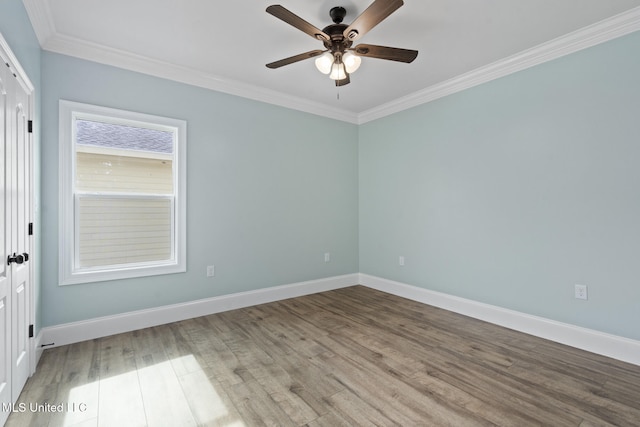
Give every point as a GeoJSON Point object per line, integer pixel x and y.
{"type": "Point", "coordinates": [337, 40]}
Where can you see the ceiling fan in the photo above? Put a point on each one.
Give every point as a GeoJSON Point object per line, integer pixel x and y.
{"type": "Point", "coordinates": [339, 59]}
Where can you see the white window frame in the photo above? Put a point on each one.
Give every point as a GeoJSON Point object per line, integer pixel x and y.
{"type": "Point", "coordinates": [69, 272]}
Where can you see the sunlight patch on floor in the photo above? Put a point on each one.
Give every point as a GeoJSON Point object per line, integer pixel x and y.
{"type": "Point", "coordinates": [151, 396]}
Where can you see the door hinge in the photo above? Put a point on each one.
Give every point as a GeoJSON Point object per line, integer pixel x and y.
{"type": "Point", "coordinates": [30, 229]}
{"type": "Point", "coordinates": [30, 331]}
{"type": "Point", "coordinates": [30, 126]}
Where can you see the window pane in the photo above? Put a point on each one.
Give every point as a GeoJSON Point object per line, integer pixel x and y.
{"type": "Point", "coordinates": [123, 230]}
{"type": "Point", "coordinates": [122, 185]}
{"type": "Point", "coordinates": [108, 173]}
{"type": "Point", "coordinates": [123, 137]}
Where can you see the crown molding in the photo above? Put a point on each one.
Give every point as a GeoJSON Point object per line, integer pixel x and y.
{"type": "Point", "coordinates": [41, 19]}
{"type": "Point", "coordinates": [118, 58]}
{"type": "Point", "coordinates": [600, 32]}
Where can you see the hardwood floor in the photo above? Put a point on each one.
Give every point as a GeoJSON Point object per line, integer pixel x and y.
{"type": "Point", "coordinates": [353, 356]}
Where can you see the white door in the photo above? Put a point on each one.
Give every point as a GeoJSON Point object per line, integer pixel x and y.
{"type": "Point", "coordinates": [5, 271]}
{"type": "Point", "coordinates": [15, 243]}
{"type": "Point", "coordinates": [21, 216]}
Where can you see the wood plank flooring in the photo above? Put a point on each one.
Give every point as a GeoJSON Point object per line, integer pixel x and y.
{"type": "Point", "coordinates": [349, 357]}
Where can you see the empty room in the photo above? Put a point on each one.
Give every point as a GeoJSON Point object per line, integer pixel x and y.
{"type": "Point", "coordinates": [372, 212]}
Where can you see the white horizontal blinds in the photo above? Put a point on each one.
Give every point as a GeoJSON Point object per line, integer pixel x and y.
{"type": "Point", "coordinates": [117, 230]}
{"type": "Point", "coordinates": [103, 172]}
{"type": "Point", "coordinates": [124, 194]}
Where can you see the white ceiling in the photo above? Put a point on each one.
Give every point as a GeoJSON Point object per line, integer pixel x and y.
{"type": "Point", "coordinates": [225, 45]}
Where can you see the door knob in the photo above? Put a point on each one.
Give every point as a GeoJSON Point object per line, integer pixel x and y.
{"type": "Point", "coordinates": [18, 259]}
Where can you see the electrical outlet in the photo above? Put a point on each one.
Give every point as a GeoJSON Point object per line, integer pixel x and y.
{"type": "Point", "coordinates": [581, 292]}
{"type": "Point", "coordinates": [327, 257]}
{"type": "Point", "coordinates": [400, 260]}
{"type": "Point", "coordinates": [211, 271]}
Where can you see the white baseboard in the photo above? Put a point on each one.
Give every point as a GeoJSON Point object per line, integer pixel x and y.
{"type": "Point", "coordinates": [617, 347]}
{"type": "Point", "coordinates": [70, 333]}
{"type": "Point", "coordinates": [621, 348]}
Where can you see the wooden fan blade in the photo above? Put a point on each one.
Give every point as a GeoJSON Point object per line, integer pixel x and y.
{"type": "Point", "coordinates": [384, 52]}
{"type": "Point", "coordinates": [296, 58]}
{"type": "Point", "coordinates": [294, 20]}
{"type": "Point", "coordinates": [372, 16]}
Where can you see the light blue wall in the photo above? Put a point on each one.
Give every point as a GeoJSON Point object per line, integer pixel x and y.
{"type": "Point", "coordinates": [508, 193]}
{"type": "Point", "coordinates": [513, 191]}
{"type": "Point", "coordinates": [270, 190]}
{"type": "Point", "coordinates": [17, 31]}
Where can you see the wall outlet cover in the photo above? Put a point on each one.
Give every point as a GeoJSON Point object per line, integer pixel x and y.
{"type": "Point", "coordinates": [581, 292]}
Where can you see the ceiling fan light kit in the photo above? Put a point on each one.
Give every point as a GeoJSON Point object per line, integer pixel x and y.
{"type": "Point", "coordinates": [339, 59]}
{"type": "Point", "coordinates": [337, 72]}
{"type": "Point", "coordinates": [351, 61]}
{"type": "Point", "coordinates": [324, 63]}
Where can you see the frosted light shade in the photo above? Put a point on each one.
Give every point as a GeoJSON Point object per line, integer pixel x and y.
{"type": "Point", "coordinates": [324, 63]}
{"type": "Point", "coordinates": [337, 72]}
{"type": "Point", "coordinates": [351, 61]}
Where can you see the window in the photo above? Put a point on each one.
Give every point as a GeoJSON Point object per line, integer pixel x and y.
{"type": "Point", "coordinates": [123, 188]}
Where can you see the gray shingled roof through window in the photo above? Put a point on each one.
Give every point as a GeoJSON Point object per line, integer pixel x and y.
{"type": "Point", "coordinates": [123, 137]}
